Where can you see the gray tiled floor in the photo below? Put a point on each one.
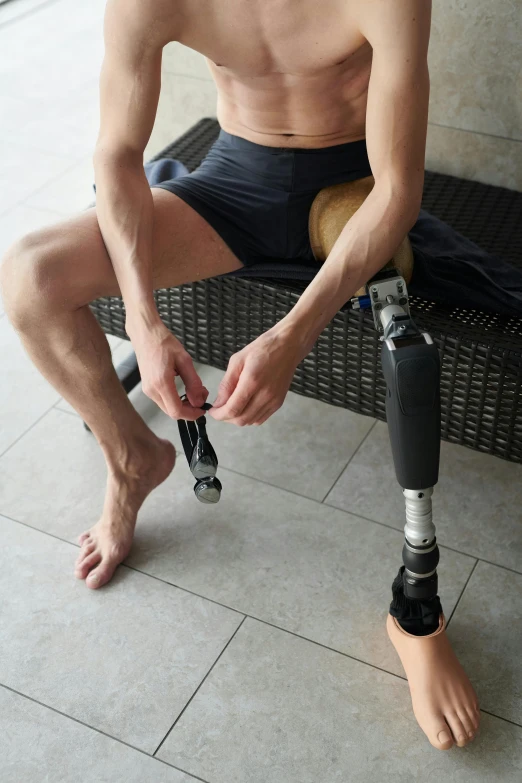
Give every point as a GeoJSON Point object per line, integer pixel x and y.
{"type": "Point", "coordinates": [305, 541]}
{"type": "Point", "coordinates": [298, 713]}
{"type": "Point", "coordinates": [38, 744]}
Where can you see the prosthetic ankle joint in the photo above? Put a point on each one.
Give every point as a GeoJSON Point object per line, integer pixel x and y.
{"type": "Point", "coordinates": [411, 368]}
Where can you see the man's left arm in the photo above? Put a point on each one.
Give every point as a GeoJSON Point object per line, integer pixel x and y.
{"type": "Point", "coordinates": [396, 126]}
{"type": "Point", "coordinates": [258, 377]}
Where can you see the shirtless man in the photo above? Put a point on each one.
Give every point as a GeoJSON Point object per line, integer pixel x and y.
{"type": "Point", "coordinates": [327, 91]}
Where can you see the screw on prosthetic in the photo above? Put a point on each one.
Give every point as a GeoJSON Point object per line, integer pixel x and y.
{"type": "Point", "coordinates": [411, 367]}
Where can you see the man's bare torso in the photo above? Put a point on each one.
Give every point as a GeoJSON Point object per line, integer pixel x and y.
{"type": "Point", "coordinates": [289, 73]}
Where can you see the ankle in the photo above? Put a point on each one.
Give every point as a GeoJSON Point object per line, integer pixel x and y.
{"type": "Point", "coordinates": [132, 459]}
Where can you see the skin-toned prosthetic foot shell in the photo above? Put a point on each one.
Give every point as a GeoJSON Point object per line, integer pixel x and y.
{"type": "Point", "coordinates": [444, 701]}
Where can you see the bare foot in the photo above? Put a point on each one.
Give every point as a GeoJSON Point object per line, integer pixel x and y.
{"type": "Point", "coordinates": [443, 698]}
{"type": "Point", "coordinates": [105, 545]}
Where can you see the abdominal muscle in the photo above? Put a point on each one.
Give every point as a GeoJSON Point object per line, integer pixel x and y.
{"type": "Point", "coordinates": [299, 111]}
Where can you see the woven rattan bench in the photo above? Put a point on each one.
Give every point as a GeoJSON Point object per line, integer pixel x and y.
{"type": "Point", "coordinates": [481, 354]}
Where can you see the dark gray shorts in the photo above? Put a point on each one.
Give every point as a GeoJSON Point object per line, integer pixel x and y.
{"type": "Point", "coordinates": [258, 198]}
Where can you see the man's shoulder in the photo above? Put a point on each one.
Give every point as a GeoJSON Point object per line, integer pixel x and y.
{"type": "Point", "coordinates": [393, 23]}
{"type": "Point", "coordinates": [153, 19]}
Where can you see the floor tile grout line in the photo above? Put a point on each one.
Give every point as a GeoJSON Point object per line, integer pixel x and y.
{"type": "Point", "coordinates": [69, 413]}
{"type": "Point", "coordinates": [133, 568]}
{"type": "Point", "coordinates": [200, 685]}
{"type": "Point", "coordinates": [214, 601]}
{"type": "Point", "coordinates": [27, 13]}
{"type": "Point", "coordinates": [442, 545]}
{"type": "Point", "coordinates": [351, 458]}
{"type": "Point", "coordinates": [279, 627]}
{"type": "Point", "coordinates": [263, 481]}
{"type": "Point", "coordinates": [477, 132]}
{"type": "Point", "coordinates": [506, 720]}
{"type": "Point", "coordinates": [239, 611]}
{"type": "Point", "coordinates": [462, 592]}
{"type": "Point", "coordinates": [222, 605]}
{"type": "Point", "coordinates": [24, 433]}
{"type": "Point", "coordinates": [246, 615]}
{"type": "Point", "coordinates": [98, 731]}
{"type": "Point", "coordinates": [217, 603]}
{"type": "Point", "coordinates": [328, 505]}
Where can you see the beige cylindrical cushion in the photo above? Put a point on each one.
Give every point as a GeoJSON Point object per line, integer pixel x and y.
{"type": "Point", "coordinates": [331, 210]}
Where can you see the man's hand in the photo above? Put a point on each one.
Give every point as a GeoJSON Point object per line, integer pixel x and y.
{"type": "Point", "coordinates": [161, 357]}
{"type": "Point", "coordinates": [257, 379]}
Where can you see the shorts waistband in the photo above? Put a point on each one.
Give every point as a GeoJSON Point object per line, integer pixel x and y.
{"type": "Point", "coordinates": [238, 142]}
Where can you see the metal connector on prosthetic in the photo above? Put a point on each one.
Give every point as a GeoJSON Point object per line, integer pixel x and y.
{"type": "Point", "coordinates": [420, 553]}
{"type": "Point", "coordinates": [387, 291]}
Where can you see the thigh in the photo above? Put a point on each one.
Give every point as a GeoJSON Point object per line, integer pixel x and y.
{"type": "Point", "coordinates": [185, 248]}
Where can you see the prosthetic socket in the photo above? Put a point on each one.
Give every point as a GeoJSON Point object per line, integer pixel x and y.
{"type": "Point", "coordinates": [411, 367]}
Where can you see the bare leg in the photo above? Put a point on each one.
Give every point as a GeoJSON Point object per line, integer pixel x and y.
{"type": "Point", "coordinates": [48, 278]}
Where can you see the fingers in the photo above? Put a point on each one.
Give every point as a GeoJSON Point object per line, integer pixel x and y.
{"type": "Point", "coordinates": [247, 406]}
{"type": "Point", "coordinates": [229, 381]}
{"type": "Point", "coordinates": [174, 407]}
{"type": "Point", "coordinates": [263, 415]}
{"type": "Point", "coordinates": [242, 399]}
{"type": "Point", "coordinates": [162, 389]}
{"type": "Point", "coordinates": [232, 409]}
{"type": "Point", "coordinates": [196, 392]}
{"type": "Point", "coordinates": [166, 397]}
{"type": "Point", "coordinates": [163, 392]}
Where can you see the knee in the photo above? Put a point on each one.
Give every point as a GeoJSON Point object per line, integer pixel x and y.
{"type": "Point", "coordinates": [32, 279]}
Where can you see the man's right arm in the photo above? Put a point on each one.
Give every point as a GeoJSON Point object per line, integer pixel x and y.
{"type": "Point", "coordinates": [130, 81]}
{"type": "Point", "coordinates": [130, 84]}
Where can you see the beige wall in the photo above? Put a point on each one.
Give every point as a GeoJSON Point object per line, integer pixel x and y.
{"type": "Point", "coordinates": [475, 57]}
{"type": "Point", "coordinates": [476, 90]}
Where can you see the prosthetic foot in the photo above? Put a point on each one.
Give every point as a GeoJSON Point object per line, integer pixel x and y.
{"type": "Point", "coordinates": [443, 698]}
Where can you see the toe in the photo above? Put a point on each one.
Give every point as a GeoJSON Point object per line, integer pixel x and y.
{"type": "Point", "coordinates": [441, 739]}
{"type": "Point", "coordinates": [101, 575]}
{"type": "Point", "coordinates": [467, 723]}
{"type": "Point", "coordinates": [474, 716]}
{"type": "Point", "coordinates": [83, 538]}
{"type": "Point", "coordinates": [457, 729]}
{"type": "Point", "coordinates": [84, 566]}
{"type": "Point", "coordinates": [87, 549]}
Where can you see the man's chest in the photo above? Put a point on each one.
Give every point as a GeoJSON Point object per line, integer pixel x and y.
{"type": "Point", "coordinates": [253, 38]}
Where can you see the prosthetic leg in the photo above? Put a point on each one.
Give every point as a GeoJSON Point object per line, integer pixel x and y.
{"type": "Point", "coordinates": [411, 367]}
{"type": "Point", "coordinates": [443, 698]}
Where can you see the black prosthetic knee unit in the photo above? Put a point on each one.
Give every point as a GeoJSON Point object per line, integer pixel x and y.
{"type": "Point", "coordinates": [411, 367]}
